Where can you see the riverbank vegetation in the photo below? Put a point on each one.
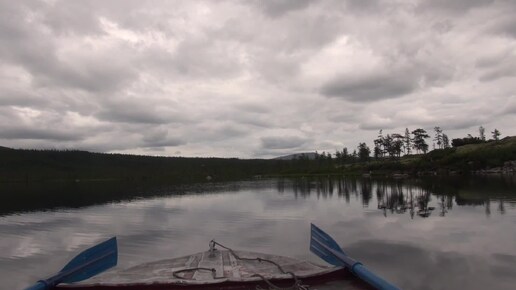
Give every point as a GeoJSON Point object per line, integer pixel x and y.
{"type": "Point", "coordinates": [44, 165]}
{"type": "Point", "coordinates": [36, 179]}
{"type": "Point", "coordinates": [409, 153]}
{"type": "Point", "coordinates": [495, 156]}
{"type": "Point", "coordinates": [392, 154]}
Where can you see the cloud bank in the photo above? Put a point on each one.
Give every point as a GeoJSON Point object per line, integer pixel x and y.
{"type": "Point", "coordinates": [251, 78]}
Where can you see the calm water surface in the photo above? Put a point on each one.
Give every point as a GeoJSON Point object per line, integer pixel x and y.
{"type": "Point", "coordinates": [420, 234]}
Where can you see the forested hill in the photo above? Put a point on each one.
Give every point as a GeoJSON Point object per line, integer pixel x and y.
{"type": "Point", "coordinates": [18, 165]}
{"type": "Point", "coordinates": [481, 156]}
{"type": "Point", "coordinates": [306, 155]}
{"type": "Point", "coordinates": [43, 165]}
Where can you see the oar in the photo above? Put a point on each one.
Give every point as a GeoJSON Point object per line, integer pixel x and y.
{"type": "Point", "coordinates": [89, 263]}
{"type": "Point", "coordinates": [329, 250]}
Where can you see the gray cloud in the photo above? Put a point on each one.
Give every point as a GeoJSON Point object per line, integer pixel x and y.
{"type": "Point", "coordinates": [369, 88]}
{"type": "Point", "coordinates": [72, 17]}
{"type": "Point", "coordinates": [497, 66]}
{"type": "Point", "coordinates": [283, 142]}
{"type": "Point", "coordinates": [16, 98]}
{"type": "Point", "coordinates": [204, 57]}
{"type": "Point", "coordinates": [38, 134]}
{"type": "Point", "coordinates": [250, 78]}
{"type": "Point", "coordinates": [510, 107]}
{"type": "Point", "coordinates": [459, 123]}
{"type": "Point", "coordinates": [219, 131]}
{"type": "Point", "coordinates": [140, 115]}
{"type": "Point", "coordinates": [29, 44]}
{"type": "Point", "coordinates": [168, 142]}
{"type": "Point", "coordinates": [456, 6]}
{"type": "Point", "coordinates": [160, 138]}
{"type": "Point", "coordinates": [280, 7]}
{"type": "Point", "coordinates": [376, 124]}
{"type": "Point", "coordinates": [366, 6]}
{"type": "Point", "coordinates": [252, 114]}
{"type": "Point", "coordinates": [506, 27]}
{"type": "Point", "coordinates": [443, 26]}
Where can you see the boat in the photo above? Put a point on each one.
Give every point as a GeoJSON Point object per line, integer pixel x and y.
{"type": "Point", "coordinates": [219, 267]}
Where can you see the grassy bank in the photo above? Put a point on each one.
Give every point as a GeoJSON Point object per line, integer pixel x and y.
{"type": "Point", "coordinates": [465, 159]}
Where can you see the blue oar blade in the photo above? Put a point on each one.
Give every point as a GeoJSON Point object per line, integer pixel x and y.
{"type": "Point", "coordinates": [316, 232]}
{"type": "Point", "coordinates": [317, 248]}
{"type": "Point", "coordinates": [326, 239]}
{"type": "Point", "coordinates": [91, 262]}
{"type": "Point", "coordinates": [327, 249]}
{"type": "Point", "coordinates": [321, 244]}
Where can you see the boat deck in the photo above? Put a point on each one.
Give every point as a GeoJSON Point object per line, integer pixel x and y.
{"type": "Point", "coordinates": [218, 269]}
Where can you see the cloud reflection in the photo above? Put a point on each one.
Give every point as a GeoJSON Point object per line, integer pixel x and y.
{"type": "Point", "coordinates": [462, 248]}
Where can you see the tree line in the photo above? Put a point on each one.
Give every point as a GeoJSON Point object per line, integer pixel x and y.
{"type": "Point", "coordinates": [20, 165]}
{"type": "Point", "coordinates": [394, 145]}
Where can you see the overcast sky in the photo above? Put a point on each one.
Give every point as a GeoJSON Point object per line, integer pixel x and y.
{"type": "Point", "coordinates": [251, 78]}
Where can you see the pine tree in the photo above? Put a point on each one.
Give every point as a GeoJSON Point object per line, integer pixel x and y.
{"type": "Point", "coordinates": [363, 152]}
{"type": "Point", "coordinates": [438, 136]}
{"type": "Point", "coordinates": [397, 144]}
{"type": "Point", "coordinates": [379, 145]}
{"type": "Point", "coordinates": [407, 141]}
{"type": "Point", "coordinates": [419, 142]}
{"type": "Point", "coordinates": [446, 141]}
{"type": "Point", "coordinates": [496, 134]}
{"type": "Point", "coordinates": [481, 132]}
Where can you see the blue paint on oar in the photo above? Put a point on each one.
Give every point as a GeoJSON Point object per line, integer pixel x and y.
{"type": "Point", "coordinates": [87, 264]}
{"type": "Point", "coordinates": [325, 247]}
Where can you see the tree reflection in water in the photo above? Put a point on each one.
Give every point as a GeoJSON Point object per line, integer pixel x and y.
{"type": "Point", "coordinates": [396, 197]}
{"type": "Point", "coordinates": [419, 197]}
{"type": "Point", "coordinates": [393, 196]}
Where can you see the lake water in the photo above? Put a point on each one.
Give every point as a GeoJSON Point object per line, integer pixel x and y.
{"type": "Point", "coordinates": [440, 233]}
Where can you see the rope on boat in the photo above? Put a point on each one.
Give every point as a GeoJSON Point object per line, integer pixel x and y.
{"type": "Point", "coordinates": [297, 283]}
{"type": "Point", "coordinates": [213, 272]}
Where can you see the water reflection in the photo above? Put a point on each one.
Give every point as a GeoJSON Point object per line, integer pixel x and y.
{"type": "Point", "coordinates": [408, 230]}
{"type": "Point", "coordinates": [417, 197]}
{"type": "Point", "coordinates": [26, 197]}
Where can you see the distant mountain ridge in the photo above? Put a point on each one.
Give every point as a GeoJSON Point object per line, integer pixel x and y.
{"type": "Point", "coordinates": [309, 155]}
